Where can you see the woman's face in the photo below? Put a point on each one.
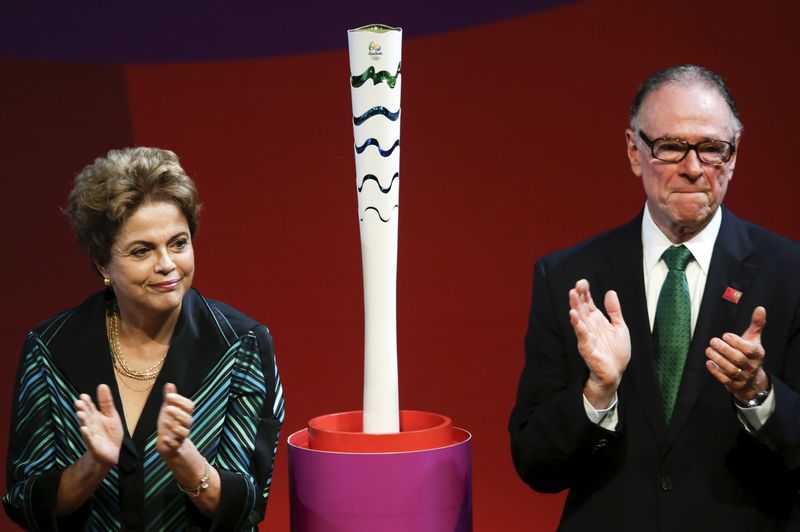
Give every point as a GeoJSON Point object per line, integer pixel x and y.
{"type": "Point", "coordinates": [152, 261]}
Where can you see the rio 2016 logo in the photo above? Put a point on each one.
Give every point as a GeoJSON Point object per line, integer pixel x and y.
{"type": "Point", "coordinates": [374, 51]}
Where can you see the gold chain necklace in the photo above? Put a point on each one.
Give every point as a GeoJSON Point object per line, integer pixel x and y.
{"type": "Point", "coordinates": [131, 388]}
{"type": "Point", "coordinates": [120, 364]}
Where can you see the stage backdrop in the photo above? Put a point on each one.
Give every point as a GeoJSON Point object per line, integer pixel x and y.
{"type": "Point", "coordinates": [513, 146]}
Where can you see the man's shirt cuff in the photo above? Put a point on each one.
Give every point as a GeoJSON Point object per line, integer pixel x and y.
{"type": "Point", "coordinates": [607, 418]}
{"type": "Point", "coordinates": [752, 418]}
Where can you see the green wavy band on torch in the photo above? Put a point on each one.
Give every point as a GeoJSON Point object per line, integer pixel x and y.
{"type": "Point", "coordinates": [379, 77]}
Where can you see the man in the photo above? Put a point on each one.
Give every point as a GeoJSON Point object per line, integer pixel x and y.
{"type": "Point", "coordinates": [676, 409]}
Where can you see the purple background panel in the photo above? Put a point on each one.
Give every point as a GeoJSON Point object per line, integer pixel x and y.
{"type": "Point", "coordinates": [205, 30]}
{"type": "Point", "coordinates": [423, 491]}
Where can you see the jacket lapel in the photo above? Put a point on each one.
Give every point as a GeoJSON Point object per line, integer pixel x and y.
{"type": "Point", "coordinates": [627, 278]}
{"type": "Point", "coordinates": [717, 315]}
{"type": "Point", "coordinates": [195, 347]}
{"type": "Point", "coordinates": [81, 347]}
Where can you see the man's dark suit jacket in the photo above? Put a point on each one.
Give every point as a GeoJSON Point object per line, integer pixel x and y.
{"type": "Point", "coordinates": [702, 472]}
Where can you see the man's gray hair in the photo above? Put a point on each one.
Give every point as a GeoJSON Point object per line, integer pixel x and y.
{"type": "Point", "coordinates": [685, 75]}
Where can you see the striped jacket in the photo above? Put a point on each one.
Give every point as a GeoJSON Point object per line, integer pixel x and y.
{"type": "Point", "coordinates": [220, 358]}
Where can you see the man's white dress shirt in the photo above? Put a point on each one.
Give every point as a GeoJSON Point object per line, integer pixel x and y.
{"type": "Point", "coordinates": [654, 244]}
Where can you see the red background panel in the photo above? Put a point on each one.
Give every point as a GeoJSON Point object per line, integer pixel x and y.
{"type": "Point", "coordinates": [512, 146]}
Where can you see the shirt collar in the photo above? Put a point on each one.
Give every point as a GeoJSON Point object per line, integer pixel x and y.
{"type": "Point", "coordinates": [655, 243]}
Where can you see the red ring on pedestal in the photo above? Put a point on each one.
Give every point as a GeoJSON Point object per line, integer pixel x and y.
{"type": "Point", "coordinates": [342, 432]}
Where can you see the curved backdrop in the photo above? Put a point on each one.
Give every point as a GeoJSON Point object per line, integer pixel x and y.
{"type": "Point", "coordinates": [513, 146]}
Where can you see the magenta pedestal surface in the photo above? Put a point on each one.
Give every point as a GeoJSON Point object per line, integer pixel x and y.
{"type": "Point", "coordinates": [419, 491]}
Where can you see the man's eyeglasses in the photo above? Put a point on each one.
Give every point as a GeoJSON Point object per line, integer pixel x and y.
{"type": "Point", "coordinates": [675, 150]}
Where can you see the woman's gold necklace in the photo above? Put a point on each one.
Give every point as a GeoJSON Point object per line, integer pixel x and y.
{"type": "Point", "coordinates": [131, 388]}
{"type": "Point", "coordinates": [120, 364]}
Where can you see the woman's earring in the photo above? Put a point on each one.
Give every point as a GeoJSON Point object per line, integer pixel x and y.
{"type": "Point", "coordinates": [107, 281]}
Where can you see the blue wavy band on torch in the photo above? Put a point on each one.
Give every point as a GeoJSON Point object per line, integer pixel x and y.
{"type": "Point", "coordinates": [374, 142]}
{"type": "Point", "coordinates": [370, 177]}
{"type": "Point", "coordinates": [379, 110]}
{"type": "Point", "coordinates": [376, 77]}
{"type": "Point", "coordinates": [379, 213]}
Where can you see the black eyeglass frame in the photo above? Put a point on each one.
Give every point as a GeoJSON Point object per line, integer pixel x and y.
{"type": "Point", "coordinates": [651, 144]}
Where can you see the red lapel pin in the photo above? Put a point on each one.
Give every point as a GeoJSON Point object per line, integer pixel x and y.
{"type": "Point", "coordinates": [732, 295]}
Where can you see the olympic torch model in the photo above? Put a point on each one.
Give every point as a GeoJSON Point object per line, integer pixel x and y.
{"type": "Point", "coordinates": [375, 54]}
{"type": "Point", "coordinates": [381, 468]}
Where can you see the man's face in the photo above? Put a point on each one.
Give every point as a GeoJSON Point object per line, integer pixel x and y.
{"type": "Point", "coordinates": [682, 197]}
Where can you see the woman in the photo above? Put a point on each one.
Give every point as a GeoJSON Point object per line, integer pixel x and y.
{"type": "Point", "coordinates": [183, 430]}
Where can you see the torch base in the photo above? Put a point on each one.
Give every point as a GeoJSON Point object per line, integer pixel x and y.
{"type": "Point", "coordinates": [341, 432]}
{"type": "Point", "coordinates": [424, 490]}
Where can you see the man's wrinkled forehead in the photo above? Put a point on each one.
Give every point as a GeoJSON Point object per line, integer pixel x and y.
{"type": "Point", "coordinates": [677, 104]}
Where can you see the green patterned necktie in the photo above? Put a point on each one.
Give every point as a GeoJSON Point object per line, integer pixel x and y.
{"type": "Point", "coordinates": [672, 330]}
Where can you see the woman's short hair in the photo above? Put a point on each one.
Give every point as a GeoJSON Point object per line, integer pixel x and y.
{"type": "Point", "coordinates": [108, 191]}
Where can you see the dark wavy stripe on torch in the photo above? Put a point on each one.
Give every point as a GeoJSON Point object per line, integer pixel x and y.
{"type": "Point", "coordinates": [379, 213]}
{"type": "Point", "coordinates": [370, 177]}
{"type": "Point", "coordinates": [379, 77]}
{"type": "Point", "coordinates": [379, 110]}
{"type": "Point", "coordinates": [374, 142]}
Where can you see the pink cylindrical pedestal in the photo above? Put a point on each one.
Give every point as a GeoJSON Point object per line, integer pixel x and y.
{"type": "Point", "coordinates": [425, 490]}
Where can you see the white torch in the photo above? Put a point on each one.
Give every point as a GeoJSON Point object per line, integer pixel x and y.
{"type": "Point", "coordinates": [375, 53]}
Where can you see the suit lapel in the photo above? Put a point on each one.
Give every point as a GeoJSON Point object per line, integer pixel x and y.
{"type": "Point", "coordinates": [627, 278]}
{"type": "Point", "coordinates": [196, 345]}
{"type": "Point", "coordinates": [717, 315]}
